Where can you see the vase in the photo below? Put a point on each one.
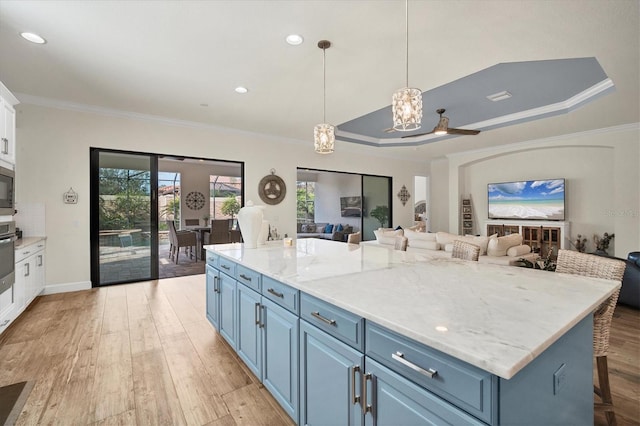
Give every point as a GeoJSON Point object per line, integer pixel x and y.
{"type": "Point", "coordinates": [250, 221]}
{"type": "Point", "coordinates": [264, 233]}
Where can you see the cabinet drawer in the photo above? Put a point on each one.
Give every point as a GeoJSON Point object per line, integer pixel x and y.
{"type": "Point", "coordinates": [227, 266]}
{"type": "Point", "coordinates": [248, 277]}
{"type": "Point", "coordinates": [339, 323]}
{"type": "Point", "coordinates": [212, 259]}
{"type": "Point", "coordinates": [282, 294]}
{"type": "Point", "coordinates": [462, 384]}
{"type": "Point", "coordinates": [24, 252]}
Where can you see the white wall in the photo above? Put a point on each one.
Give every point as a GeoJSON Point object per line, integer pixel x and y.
{"type": "Point", "coordinates": [329, 188]}
{"type": "Point", "coordinates": [601, 169]}
{"type": "Point", "coordinates": [53, 155]}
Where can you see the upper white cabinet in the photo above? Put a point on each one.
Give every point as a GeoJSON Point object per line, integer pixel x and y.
{"type": "Point", "coordinates": [7, 127]}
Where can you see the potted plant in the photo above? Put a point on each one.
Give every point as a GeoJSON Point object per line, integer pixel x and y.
{"type": "Point", "coordinates": [381, 213]}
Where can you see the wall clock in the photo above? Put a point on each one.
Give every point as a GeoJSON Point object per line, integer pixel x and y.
{"type": "Point", "coordinates": [272, 188]}
{"type": "Point", "coordinates": [195, 200]}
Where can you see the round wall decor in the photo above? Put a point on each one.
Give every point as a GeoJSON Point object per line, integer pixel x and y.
{"type": "Point", "coordinates": [272, 188]}
{"type": "Point", "coordinates": [195, 200]}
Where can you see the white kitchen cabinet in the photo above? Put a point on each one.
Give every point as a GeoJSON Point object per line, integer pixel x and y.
{"type": "Point", "coordinates": [7, 127]}
{"type": "Point", "coordinates": [8, 308]}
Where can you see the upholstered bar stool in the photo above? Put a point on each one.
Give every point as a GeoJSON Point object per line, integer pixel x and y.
{"type": "Point", "coordinates": [589, 265]}
{"type": "Point", "coordinates": [465, 251]}
{"type": "Point", "coordinates": [401, 243]}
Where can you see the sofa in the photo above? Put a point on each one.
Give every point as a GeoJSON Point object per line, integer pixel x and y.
{"type": "Point", "coordinates": [507, 250]}
{"type": "Point", "coordinates": [327, 231]}
{"type": "Point", "coordinates": [630, 291]}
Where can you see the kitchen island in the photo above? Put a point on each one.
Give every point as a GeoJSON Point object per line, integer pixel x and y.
{"type": "Point", "coordinates": [437, 340]}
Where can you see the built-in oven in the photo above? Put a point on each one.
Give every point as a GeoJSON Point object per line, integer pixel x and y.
{"type": "Point", "coordinates": [7, 255]}
{"type": "Point", "coordinates": [7, 202]}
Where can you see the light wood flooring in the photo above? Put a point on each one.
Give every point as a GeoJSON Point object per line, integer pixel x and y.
{"type": "Point", "coordinates": [145, 354]}
{"type": "Point", "coordinates": [132, 354]}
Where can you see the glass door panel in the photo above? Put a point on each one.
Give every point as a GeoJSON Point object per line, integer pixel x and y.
{"type": "Point", "coordinates": [126, 248]}
{"type": "Point", "coordinates": [376, 192]}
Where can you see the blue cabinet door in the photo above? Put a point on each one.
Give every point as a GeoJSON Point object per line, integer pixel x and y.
{"type": "Point", "coordinates": [213, 302]}
{"type": "Point", "coordinates": [227, 295]}
{"type": "Point", "coordinates": [395, 400]}
{"type": "Point", "coordinates": [249, 338]}
{"type": "Point", "coordinates": [329, 370]}
{"type": "Point", "coordinates": [280, 355]}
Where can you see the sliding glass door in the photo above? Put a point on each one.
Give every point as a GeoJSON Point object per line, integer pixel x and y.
{"type": "Point", "coordinates": [376, 193]}
{"type": "Point", "coordinates": [124, 212]}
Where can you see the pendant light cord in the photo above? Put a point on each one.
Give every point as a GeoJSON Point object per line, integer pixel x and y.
{"type": "Point", "coordinates": [324, 85]}
{"type": "Point", "coordinates": [406, 21]}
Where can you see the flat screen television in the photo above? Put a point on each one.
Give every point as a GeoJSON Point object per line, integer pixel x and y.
{"type": "Point", "coordinates": [529, 200]}
{"type": "Point", "coordinates": [351, 206]}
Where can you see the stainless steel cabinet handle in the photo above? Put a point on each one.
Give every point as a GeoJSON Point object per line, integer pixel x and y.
{"type": "Point", "coordinates": [215, 284]}
{"type": "Point", "coordinates": [323, 319]}
{"type": "Point", "coordinates": [243, 276]}
{"type": "Point", "coordinates": [366, 408]}
{"type": "Point", "coordinates": [256, 312]}
{"type": "Point", "coordinates": [27, 269]}
{"type": "Point", "coordinates": [39, 260]}
{"type": "Point", "coordinates": [5, 146]}
{"type": "Point", "coordinates": [4, 323]}
{"type": "Point", "coordinates": [275, 293]}
{"type": "Point", "coordinates": [399, 356]}
{"type": "Point", "coordinates": [262, 315]}
{"type": "Point", "coordinates": [225, 267]}
{"type": "Point", "coordinates": [354, 398]}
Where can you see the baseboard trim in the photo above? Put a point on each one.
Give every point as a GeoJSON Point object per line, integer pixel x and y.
{"type": "Point", "coordinates": [66, 287]}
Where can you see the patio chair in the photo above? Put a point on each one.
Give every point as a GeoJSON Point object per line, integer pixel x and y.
{"type": "Point", "coordinates": [178, 239]}
{"type": "Point", "coordinates": [220, 231]}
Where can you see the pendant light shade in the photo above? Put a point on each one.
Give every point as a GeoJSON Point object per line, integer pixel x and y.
{"type": "Point", "coordinates": [324, 138]}
{"type": "Point", "coordinates": [406, 104]}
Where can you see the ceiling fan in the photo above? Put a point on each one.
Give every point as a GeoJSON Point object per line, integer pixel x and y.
{"type": "Point", "coordinates": [442, 128]}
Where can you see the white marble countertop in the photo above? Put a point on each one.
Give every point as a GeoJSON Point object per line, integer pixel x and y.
{"type": "Point", "coordinates": [27, 241]}
{"type": "Point", "coordinates": [497, 318]}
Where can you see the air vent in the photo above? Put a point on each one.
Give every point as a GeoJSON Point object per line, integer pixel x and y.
{"type": "Point", "coordinates": [500, 96]}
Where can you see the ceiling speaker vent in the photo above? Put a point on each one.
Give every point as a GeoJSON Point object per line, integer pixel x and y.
{"type": "Point", "coordinates": [500, 96]}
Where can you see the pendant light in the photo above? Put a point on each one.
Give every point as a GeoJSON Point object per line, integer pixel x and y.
{"type": "Point", "coordinates": [324, 138]}
{"type": "Point", "coordinates": [407, 102]}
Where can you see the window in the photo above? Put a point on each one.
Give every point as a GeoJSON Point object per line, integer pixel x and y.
{"type": "Point", "coordinates": [225, 196]}
{"type": "Point", "coordinates": [305, 193]}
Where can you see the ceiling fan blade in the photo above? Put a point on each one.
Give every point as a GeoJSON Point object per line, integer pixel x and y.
{"type": "Point", "coordinates": [451, 131]}
{"type": "Point", "coordinates": [418, 134]}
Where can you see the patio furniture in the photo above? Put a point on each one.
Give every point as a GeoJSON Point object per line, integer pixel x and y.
{"type": "Point", "coordinates": [178, 239]}
{"type": "Point", "coordinates": [220, 231]}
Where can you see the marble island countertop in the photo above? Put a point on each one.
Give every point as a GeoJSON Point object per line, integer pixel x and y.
{"type": "Point", "coordinates": [497, 318]}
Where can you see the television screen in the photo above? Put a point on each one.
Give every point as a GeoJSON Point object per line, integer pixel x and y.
{"type": "Point", "coordinates": [531, 200]}
{"type": "Point", "coordinates": [351, 206]}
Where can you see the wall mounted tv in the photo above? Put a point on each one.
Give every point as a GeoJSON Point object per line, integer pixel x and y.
{"type": "Point", "coordinates": [529, 200]}
{"type": "Point", "coordinates": [351, 206]}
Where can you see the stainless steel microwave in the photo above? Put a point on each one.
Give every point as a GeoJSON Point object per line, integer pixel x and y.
{"type": "Point", "coordinates": [7, 186]}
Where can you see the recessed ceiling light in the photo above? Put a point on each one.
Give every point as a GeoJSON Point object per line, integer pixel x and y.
{"type": "Point", "coordinates": [204, 105]}
{"type": "Point", "coordinates": [500, 96]}
{"type": "Point", "coordinates": [241, 89]}
{"type": "Point", "coordinates": [442, 328]}
{"type": "Point", "coordinates": [33, 38]}
{"type": "Point", "coordinates": [294, 39]}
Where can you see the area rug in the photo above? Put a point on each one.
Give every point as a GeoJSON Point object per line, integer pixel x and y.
{"type": "Point", "coordinates": [12, 399]}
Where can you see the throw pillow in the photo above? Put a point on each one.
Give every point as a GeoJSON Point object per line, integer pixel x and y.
{"type": "Point", "coordinates": [320, 228]}
{"type": "Point", "coordinates": [306, 228]}
{"type": "Point", "coordinates": [499, 246]}
{"type": "Point", "coordinates": [444, 238]}
{"type": "Point", "coordinates": [339, 228]}
{"type": "Point", "coordinates": [414, 235]}
{"type": "Point", "coordinates": [517, 251]}
{"type": "Point", "coordinates": [424, 244]}
{"type": "Point", "coordinates": [328, 229]}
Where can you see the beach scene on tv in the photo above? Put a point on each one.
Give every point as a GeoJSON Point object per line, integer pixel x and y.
{"type": "Point", "coordinates": [533, 199]}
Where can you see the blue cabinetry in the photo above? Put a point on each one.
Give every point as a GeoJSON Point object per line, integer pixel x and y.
{"type": "Point", "coordinates": [393, 400]}
{"type": "Point", "coordinates": [330, 379]}
{"type": "Point", "coordinates": [227, 295]}
{"type": "Point", "coordinates": [280, 355]}
{"type": "Point", "coordinates": [213, 301]}
{"type": "Point", "coordinates": [249, 340]}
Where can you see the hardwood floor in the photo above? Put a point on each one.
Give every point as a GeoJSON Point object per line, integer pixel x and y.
{"type": "Point", "coordinates": [132, 354]}
{"type": "Point", "coordinates": [145, 354]}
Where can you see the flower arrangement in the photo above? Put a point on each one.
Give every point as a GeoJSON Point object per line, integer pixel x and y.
{"type": "Point", "coordinates": [580, 244]}
{"type": "Point", "coordinates": [602, 244]}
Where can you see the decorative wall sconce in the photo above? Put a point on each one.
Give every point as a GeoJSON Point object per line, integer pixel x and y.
{"type": "Point", "coordinates": [404, 195]}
